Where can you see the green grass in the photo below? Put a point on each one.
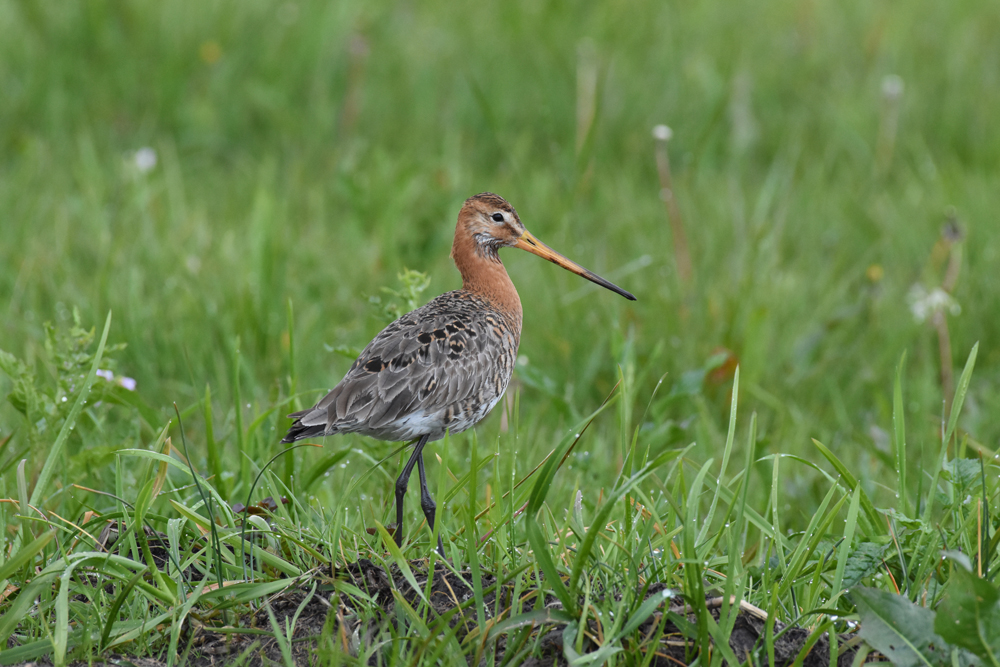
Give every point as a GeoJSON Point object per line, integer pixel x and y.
{"type": "Point", "coordinates": [309, 153]}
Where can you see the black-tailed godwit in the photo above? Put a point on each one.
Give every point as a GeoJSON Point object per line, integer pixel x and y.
{"type": "Point", "coordinates": [442, 367]}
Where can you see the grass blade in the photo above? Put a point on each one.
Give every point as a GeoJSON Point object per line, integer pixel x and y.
{"type": "Point", "coordinates": [845, 546]}
{"type": "Point", "coordinates": [24, 555]}
{"type": "Point", "coordinates": [112, 613]}
{"type": "Point", "coordinates": [956, 410]}
{"type": "Point", "coordinates": [960, 391]}
{"type": "Point", "coordinates": [873, 525]}
{"type": "Point", "coordinates": [212, 448]}
{"type": "Point", "coordinates": [472, 536]}
{"type": "Point", "coordinates": [693, 568]}
{"type": "Point", "coordinates": [899, 436]}
{"type": "Point", "coordinates": [730, 437]}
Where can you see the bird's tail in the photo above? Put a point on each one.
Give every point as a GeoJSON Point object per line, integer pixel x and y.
{"type": "Point", "coordinates": [300, 431]}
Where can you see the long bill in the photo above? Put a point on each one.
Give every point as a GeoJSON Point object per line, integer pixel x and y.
{"type": "Point", "coordinates": [534, 246]}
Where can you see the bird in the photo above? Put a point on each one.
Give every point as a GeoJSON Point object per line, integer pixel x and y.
{"type": "Point", "coordinates": [442, 367]}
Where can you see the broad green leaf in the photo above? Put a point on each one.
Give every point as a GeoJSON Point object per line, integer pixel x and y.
{"type": "Point", "coordinates": [901, 630]}
{"type": "Point", "coordinates": [969, 615]}
{"type": "Point", "coordinates": [963, 472]}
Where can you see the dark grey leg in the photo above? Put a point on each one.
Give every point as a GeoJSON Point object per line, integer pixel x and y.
{"type": "Point", "coordinates": [427, 503]}
{"type": "Point", "coordinates": [402, 481]}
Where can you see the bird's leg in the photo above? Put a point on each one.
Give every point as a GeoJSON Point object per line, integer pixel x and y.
{"type": "Point", "coordinates": [402, 481]}
{"type": "Point", "coordinates": [427, 503]}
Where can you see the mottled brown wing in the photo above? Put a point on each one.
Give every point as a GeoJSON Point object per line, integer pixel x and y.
{"type": "Point", "coordinates": [421, 374]}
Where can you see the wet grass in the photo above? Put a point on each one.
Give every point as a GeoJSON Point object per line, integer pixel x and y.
{"type": "Point", "coordinates": [307, 154]}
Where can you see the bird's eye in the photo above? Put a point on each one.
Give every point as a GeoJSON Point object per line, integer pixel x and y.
{"type": "Point", "coordinates": [497, 217]}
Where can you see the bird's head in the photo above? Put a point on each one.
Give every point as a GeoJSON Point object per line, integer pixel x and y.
{"type": "Point", "coordinates": [491, 223]}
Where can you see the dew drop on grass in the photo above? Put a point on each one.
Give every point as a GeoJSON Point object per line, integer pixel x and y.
{"type": "Point", "coordinates": [63, 399]}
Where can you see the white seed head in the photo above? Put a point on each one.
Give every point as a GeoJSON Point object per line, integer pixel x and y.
{"type": "Point", "coordinates": [925, 303]}
{"type": "Point", "coordinates": [892, 86]}
{"type": "Point", "coordinates": [145, 159]}
{"type": "Point", "coordinates": [662, 133]}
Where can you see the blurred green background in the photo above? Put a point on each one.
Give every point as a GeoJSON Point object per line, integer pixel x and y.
{"type": "Point", "coordinates": [308, 152]}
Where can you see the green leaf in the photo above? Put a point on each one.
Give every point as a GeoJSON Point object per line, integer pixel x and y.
{"type": "Point", "coordinates": [55, 456]}
{"type": "Point", "coordinates": [24, 555]}
{"type": "Point", "coordinates": [963, 472]}
{"type": "Point", "coordinates": [862, 562]}
{"type": "Point", "coordinates": [969, 615]}
{"type": "Point", "coordinates": [901, 630]}
{"type": "Point", "coordinates": [23, 393]}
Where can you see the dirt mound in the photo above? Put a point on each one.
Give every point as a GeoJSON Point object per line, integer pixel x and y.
{"type": "Point", "coordinates": [450, 595]}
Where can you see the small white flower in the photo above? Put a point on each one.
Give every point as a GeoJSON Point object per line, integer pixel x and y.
{"type": "Point", "coordinates": [127, 383]}
{"type": "Point", "coordinates": [145, 159]}
{"type": "Point", "coordinates": [924, 304]}
{"type": "Point", "coordinates": [892, 86]}
{"type": "Point", "coordinates": [662, 133]}
{"type": "Point", "coordinates": [107, 375]}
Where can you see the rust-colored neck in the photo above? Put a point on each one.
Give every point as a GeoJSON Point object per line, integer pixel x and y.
{"type": "Point", "coordinates": [484, 275]}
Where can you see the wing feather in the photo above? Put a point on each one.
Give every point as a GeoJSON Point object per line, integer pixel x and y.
{"type": "Point", "coordinates": [454, 354]}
